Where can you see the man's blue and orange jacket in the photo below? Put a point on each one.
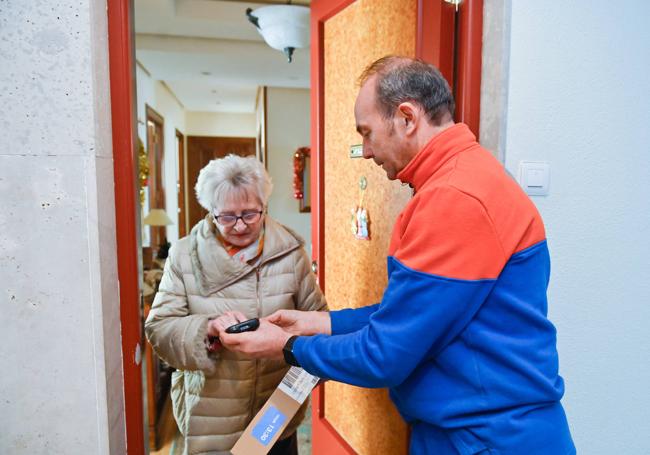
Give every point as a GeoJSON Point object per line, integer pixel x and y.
{"type": "Point", "coordinates": [461, 336]}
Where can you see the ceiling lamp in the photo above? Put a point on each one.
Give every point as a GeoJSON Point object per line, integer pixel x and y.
{"type": "Point", "coordinates": [283, 27]}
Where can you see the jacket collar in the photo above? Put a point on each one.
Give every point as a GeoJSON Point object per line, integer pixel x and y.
{"type": "Point", "coordinates": [438, 150]}
{"type": "Point", "coordinates": [214, 269]}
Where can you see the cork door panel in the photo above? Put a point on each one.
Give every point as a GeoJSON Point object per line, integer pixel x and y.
{"type": "Point", "coordinates": [355, 270]}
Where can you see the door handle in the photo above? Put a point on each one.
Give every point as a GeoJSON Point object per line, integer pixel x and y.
{"type": "Point", "coordinates": [314, 266]}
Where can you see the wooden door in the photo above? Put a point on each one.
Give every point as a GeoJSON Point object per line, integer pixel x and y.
{"type": "Point", "coordinates": [156, 154]}
{"type": "Point", "coordinates": [181, 185]}
{"type": "Point", "coordinates": [364, 420]}
{"type": "Point", "coordinates": [202, 149]}
{"type": "Point", "coordinates": [346, 36]}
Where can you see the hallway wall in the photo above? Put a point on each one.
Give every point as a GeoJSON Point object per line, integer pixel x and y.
{"type": "Point", "coordinates": [153, 93]}
{"type": "Point", "coordinates": [227, 124]}
{"type": "Point", "coordinates": [60, 353]}
{"type": "Point", "coordinates": [578, 98]}
{"type": "Point", "coordinates": [287, 129]}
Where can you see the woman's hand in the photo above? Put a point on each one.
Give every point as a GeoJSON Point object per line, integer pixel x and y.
{"type": "Point", "coordinates": [302, 322]}
{"type": "Point", "coordinates": [224, 321]}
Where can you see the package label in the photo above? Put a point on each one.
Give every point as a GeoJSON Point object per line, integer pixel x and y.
{"type": "Point", "coordinates": [268, 425]}
{"type": "Point", "coordinates": [298, 384]}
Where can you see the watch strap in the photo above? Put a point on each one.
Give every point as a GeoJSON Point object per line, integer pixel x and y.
{"type": "Point", "coordinates": [287, 351]}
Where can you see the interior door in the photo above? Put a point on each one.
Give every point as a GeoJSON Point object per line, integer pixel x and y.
{"type": "Point", "coordinates": [202, 149]}
{"type": "Point", "coordinates": [156, 153]}
{"type": "Point", "coordinates": [346, 36]}
{"type": "Point", "coordinates": [181, 184]}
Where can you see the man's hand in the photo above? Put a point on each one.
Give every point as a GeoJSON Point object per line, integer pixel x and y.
{"type": "Point", "coordinates": [265, 342]}
{"type": "Point", "coordinates": [224, 321]}
{"type": "Point", "coordinates": [302, 322]}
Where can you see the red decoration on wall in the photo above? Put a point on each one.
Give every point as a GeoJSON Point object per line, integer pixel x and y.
{"type": "Point", "coordinates": [298, 172]}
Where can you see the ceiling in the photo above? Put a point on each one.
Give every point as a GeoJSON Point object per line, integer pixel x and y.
{"type": "Point", "coordinates": [209, 55]}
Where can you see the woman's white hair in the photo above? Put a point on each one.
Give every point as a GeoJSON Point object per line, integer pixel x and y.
{"type": "Point", "coordinates": [226, 176]}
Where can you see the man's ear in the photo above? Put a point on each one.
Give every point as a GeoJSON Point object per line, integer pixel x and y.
{"type": "Point", "coordinates": [408, 115]}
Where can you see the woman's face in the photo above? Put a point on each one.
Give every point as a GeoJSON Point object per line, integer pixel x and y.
{"type": "Point", "coordinates": [239, 219]}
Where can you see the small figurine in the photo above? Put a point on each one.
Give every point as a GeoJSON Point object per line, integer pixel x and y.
{"type": "Point", "coordinates": [362, 221]}
{"type": "Point", "coordinates": [359, 222]}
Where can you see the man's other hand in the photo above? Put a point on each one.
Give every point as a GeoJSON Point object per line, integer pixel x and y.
{"type": "Point", "coordinates": [265, 342]}
{"type": "Point", "coordinates": [302, 322]}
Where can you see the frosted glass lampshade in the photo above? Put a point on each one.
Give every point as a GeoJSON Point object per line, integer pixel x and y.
{"type": "Point", "coordinates": [157, 217]}
{"type": "Point", "coordinates": [283, 27]}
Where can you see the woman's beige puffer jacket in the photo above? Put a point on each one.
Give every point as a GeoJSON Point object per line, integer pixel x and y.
{"type": "Point", "coordinates": [215, 396]}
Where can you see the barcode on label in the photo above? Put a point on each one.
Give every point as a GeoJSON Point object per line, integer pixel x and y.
{"type": "Point", "coordinates": [291, 377]}
{"type": "Point", "coordinates": [298, 384]}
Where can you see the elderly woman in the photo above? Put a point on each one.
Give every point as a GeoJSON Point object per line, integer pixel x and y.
{"type": "Point", "coordinates": [236, 264]}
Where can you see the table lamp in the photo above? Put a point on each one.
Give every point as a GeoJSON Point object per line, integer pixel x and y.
{"type": "Point", "coordinates": [159, 218]}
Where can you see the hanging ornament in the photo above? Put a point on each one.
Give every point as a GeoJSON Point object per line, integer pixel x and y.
{"type": "Point", "coordinates": [143, 170]}
{"type": "Point", "coordinates": [359, 220]}
{"type": "Point", "coordinates": [299, 165]}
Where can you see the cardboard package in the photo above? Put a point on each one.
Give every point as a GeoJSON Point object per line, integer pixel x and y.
{"type": "Point", "coordinates": [267, 426]}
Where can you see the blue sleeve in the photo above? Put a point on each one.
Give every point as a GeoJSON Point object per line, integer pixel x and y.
{"type": "Point", "coordinates": [351, 320]}
{"type": "Point", "coordinates": [418, 316]}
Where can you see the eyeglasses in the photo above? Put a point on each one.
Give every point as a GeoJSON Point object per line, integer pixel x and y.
{"type": "Point", "coordinates": [231, 220]}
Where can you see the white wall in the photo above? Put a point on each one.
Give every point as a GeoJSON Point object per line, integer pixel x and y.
{"type": "Point", "coordinates": [288, 128]}
{"type": "Point", "coordinates": [161, 99]}
{"type": "Point", "coordinates": [579, 90]}
{"type": "Point", "coordinates": [220, 124]}
{"type": "Point", "coordinates": [61, 385]}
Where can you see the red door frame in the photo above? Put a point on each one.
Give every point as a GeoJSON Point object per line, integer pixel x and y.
{"type": "Point", "coordinates": [435, 24]}
{"type": "Point", "coordinates": [435, 43]}
{"type": "Point", "coordinates": [122, 75]}
{"type": "Point", "coordinates": [469, 61]}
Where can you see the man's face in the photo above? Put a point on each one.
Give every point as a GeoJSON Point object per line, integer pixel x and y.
{"type": "Point", "coordinates": [382, 141]}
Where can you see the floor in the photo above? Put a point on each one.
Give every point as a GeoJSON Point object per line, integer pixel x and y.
{"type": "Point", "coordinates": [304, 434]}
{"type": "Point", "coordinates": [172, 442]}
{"type": "Point", "coordinates": [170, 438]}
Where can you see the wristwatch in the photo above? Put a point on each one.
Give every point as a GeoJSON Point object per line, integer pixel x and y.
{"type": "Point", "coordinates": [287, 350]}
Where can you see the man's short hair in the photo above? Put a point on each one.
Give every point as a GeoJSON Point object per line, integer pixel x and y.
{"type": "Point", "coordinates": [401, 79]}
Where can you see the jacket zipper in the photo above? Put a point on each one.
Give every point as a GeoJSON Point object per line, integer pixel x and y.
{"type": "Point", "coordinates": [259, 310]}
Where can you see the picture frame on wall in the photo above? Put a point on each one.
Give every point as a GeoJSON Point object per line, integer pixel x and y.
{"type": "Point", "coordinates": [260, 112]}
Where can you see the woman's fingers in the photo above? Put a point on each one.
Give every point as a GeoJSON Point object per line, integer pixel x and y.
{"type": "Point", "coordinates": [213, 328]}
{"type": "Point", "coordinates": [227, 319]}
{"type": "Point", "coordinates": [236, 316]}
{"type": "Point", "coordinates": [241, 317]}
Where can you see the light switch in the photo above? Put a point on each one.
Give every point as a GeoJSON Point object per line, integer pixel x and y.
{"type": "Point", "coordinates": [534, 177]}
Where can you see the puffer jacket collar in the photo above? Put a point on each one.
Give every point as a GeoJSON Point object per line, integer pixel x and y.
{"type": "Point", "coordinates": [214, 269]}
